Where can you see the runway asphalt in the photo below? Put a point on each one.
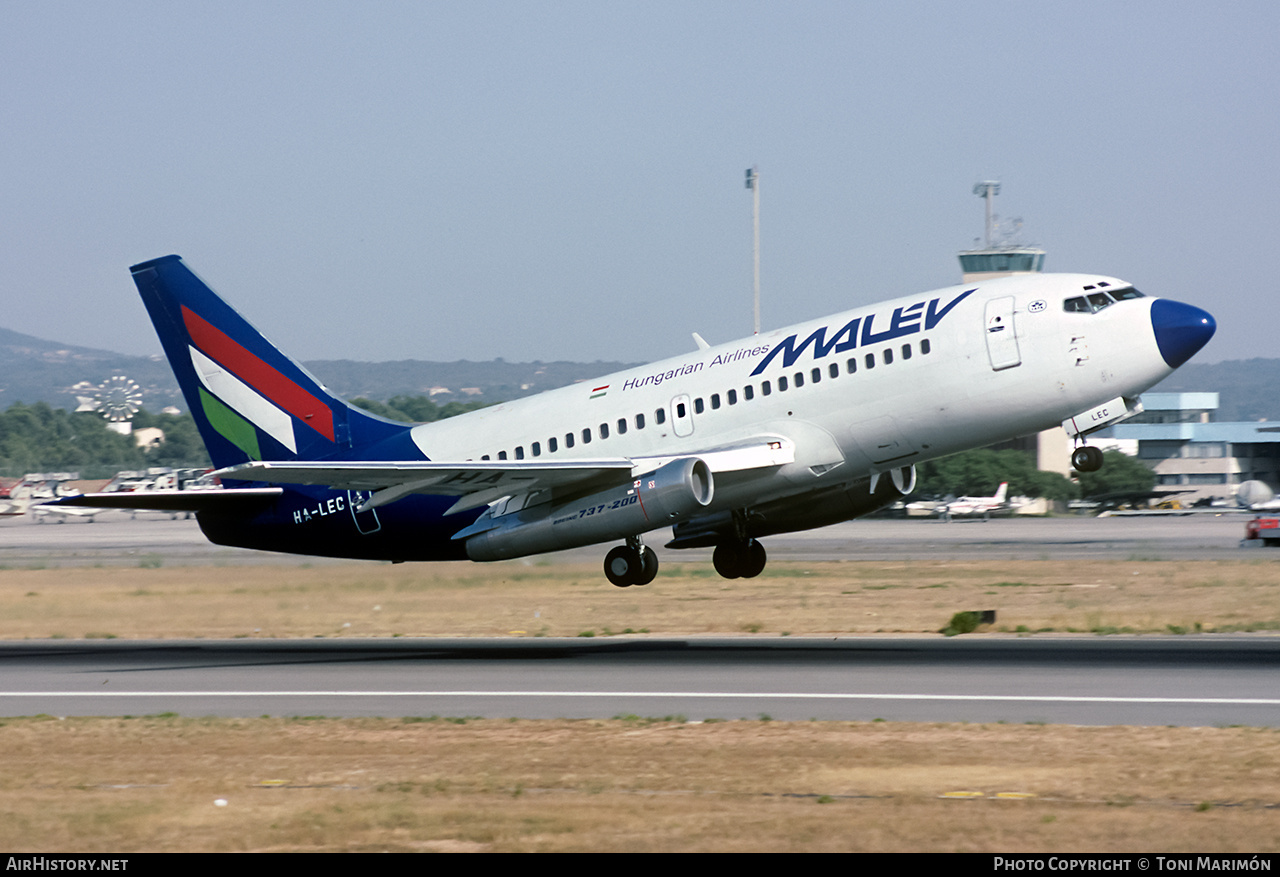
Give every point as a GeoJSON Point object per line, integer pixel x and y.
{"type": "Point", "coordinates": [1192, 680]}
{"type": "Point", "coordinates": [1085, 681]}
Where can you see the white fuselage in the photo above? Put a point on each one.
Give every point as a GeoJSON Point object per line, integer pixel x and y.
{"type": "Point", "coordinates": [857, 393]}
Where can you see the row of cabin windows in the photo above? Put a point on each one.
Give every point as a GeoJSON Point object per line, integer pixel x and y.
{"type": "Point", "coordinates": [731, 396]}
{"type": "Point", "coordinates": [570, 439]}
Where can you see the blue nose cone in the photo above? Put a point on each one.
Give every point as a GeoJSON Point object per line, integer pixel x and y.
{"type": "Point", "coordinates": [1181, 330]}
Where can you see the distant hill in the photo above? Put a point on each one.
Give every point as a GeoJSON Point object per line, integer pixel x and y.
{"type": "Point", "coordinates": [496, 380]}
{"type": "Point", "coordinates": [1248, 389]}
{"type": "Point", "coordinates": [34, 370]}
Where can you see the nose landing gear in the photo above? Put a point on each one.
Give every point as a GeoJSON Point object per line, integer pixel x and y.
{"type": "Point", "coordinates": [1086, 458]}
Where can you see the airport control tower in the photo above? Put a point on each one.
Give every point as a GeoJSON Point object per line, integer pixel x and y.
{"type": "Point", "coordinates": [1002, 255]}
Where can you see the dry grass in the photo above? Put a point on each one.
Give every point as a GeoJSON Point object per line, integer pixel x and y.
{"type": "Point", "coordinates": [372, 784]}
{"type": "Point", "coordinates": [489, 785]}
{"type": "Point", "coordinates": [567, 600]}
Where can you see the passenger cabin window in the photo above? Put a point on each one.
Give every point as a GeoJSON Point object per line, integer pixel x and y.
{"type": "Point", "coordinates": [815, 375]}
{"type": "Point", "coordinates": [834, 369]}
{"type": "Point", "coordinates": [604, 430]}
{"type": "Point", "coordinates": [622, 426]}
{"type": "Point", "coordinates": [568, 439]}
{"type": "Point", "coordinates": [552, 447]}
{"type": "Point", "coordinates": [782, 384]}
{"type": "Point", "coordinates": [660, 416]}
{"type": "Point", "coordinates": [766, 388]}
{"type": "Point", "coordinates": [680, 410]}
{"type": "Point", "coordinates": [715, 401]}
{"type": "Point", "coordinates": [748, 392]}
{"type": "Point", "coordinates": [871, 360]}
{"type": "Point", "coordinates": [586, 436]}
{"type": "Point", "coordinates": [520, 452]}
{"type": "Point", "coordinates": [502, 455]}
{"type": "Point", "coordinates": [733, 397]}
{"type": "Point", "coordinates": [906, 351]}
{"type": "Point", "coordinates": [698, 407]}
{"type": "Point", "coordinates": [888, 355]}
{"type": "Point", "coordinates": [536, 447]}
{"type": "Point", "coordinates": [639, 421]}
{"type": "Point", "coordinates": [852, 365]}
{"type": "Point", "coordinates": [925, 347]}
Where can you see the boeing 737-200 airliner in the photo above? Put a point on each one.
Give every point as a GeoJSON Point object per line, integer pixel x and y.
{"type": "Point", "coordinates": [797, 428]}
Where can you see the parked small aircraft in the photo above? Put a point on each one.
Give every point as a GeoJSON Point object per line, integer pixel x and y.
{"type": "Point", "coordinates": [975, 505]}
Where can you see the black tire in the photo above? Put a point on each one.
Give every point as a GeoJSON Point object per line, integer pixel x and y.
{"type": "Point", "coordinates": [1086, 459]}
{"type": "Point", "coordinates": [727, 560]}
{"type": "Point", "coordinates": [649, 569]}
{"type": "Point", "coordinates": [621, 566]}
{"type": "Point", "coordinates": [753, 559]}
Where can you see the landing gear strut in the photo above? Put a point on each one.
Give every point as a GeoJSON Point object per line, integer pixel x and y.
{"type": "Point", "coordinates": [631, 564]}
{"type": "Point", "coordinates": [1086, 458]}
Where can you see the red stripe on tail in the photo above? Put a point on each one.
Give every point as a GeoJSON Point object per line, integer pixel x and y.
{"type": "Point", "coordinates": [220, 347]}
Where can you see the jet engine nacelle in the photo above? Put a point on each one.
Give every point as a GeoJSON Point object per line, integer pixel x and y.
{"type": "Point", "coordinates": [659, 499]}
{"type": "Point", "coordinates": [823, 508]}
{"type": "Point", "coordinates": [818, 508]}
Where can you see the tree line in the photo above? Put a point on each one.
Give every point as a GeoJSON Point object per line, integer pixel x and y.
{"type": "Point", "coordinates": [40, 438]}
{"type": "Point", "coordinates": [979, 473]}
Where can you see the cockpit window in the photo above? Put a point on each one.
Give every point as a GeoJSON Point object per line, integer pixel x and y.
{"type": "Point", "coordinates": [1096, 301]}
{"type": "Point", "coordinates": [1099, 300]}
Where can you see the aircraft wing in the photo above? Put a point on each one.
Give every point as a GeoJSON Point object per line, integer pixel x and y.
{"type": "Point", "coordinates": [166, 500]}
{"type": "Point", "coordinates": [478, 483]}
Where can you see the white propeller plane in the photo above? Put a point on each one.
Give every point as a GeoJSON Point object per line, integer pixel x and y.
{"type": "Point", "coordinates": [976, 505]}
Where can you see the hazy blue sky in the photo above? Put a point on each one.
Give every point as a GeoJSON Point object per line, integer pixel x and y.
{"type": "Point", "coordinates": [468, 180]}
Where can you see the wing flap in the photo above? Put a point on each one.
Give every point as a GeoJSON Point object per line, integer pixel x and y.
{"type": "Point", "coordinates": [390, 481]}
{"type": "Point", "coordinates": [478, 483]}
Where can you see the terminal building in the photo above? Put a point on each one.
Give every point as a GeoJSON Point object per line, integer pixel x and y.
{"type": "Point", "coordinates": [1194, 456]}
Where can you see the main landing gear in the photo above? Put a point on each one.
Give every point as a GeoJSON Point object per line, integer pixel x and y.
{"type": "Point", "coordinates": [739, 558]}
{"type": "Point", "coordinates": [631, 564]}
{"type": "Point", "coordinates": [1086, 458]}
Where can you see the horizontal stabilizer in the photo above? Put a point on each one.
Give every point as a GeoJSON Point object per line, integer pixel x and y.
{"type": "Point", "coordinates": [176, 500]}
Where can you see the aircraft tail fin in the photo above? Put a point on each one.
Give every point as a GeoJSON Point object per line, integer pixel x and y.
{"type": "Point", "coordinates": [249, 400]}
{"type": "Point", "coordinates": [1002, 491]}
